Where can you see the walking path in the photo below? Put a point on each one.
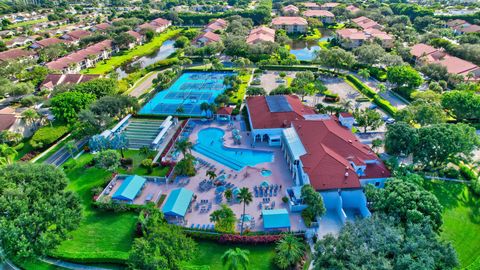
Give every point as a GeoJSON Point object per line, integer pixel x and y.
{"type": "Point", "coordinates": [69, 265]}
{"type": "Point", "coordinates": [143, 85]}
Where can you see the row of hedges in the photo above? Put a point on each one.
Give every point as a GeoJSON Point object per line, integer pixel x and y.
{"type": "Point", "coordinates": [367, 91]}
{"type": "Point", "coordinates": [289, 68]}
{"type": "Point", "coordinates": [162, 64]}
{"type": "Point", "coordinates": [46, 136]}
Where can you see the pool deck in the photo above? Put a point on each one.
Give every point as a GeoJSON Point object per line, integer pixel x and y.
{"type": "Point", "coordinates": [247, 177]}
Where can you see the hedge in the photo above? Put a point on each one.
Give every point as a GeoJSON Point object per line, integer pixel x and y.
{"type": "Point", "coordinates": [367, 91]}
{"type": "Point", "coordinates": [163, 64]}
{"type": "Point", "coordinates": [46, 136]}
{"type": "Point", "coordinates": [289, 68]}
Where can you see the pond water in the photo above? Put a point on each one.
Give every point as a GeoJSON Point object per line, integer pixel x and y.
{"type": "Point", "coordinates": [304, 50]}
{"type": "Point", "coordinates": [162, 53]}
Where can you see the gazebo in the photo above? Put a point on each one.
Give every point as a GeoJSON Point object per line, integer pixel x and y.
{"type": "Point", "coordinates": [224, 114]}
{"type": "Point", "coordinates": [129, 189]}
{"type": "Point", "coordinates": [276, 220]}
{"type": "Point", "coordinates": [177, 203]}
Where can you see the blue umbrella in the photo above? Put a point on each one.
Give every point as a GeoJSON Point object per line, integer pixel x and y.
{"type": "Point", "coordinates": [265, 184]}
{"type": "Point", "coordinates": [221, 189]}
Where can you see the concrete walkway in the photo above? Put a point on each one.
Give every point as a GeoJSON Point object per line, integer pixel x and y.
{"type": "Point", "coordinates": [68, 265]}
{"type": "Point", "coordinates": [145, 84]}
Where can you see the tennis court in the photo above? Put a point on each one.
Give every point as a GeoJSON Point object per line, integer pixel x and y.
{"type": "Point", "coordinates": [186, 94]}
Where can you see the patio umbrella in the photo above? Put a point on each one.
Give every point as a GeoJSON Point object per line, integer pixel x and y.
{"type": "Point", "coordinates": [246, 218]}
{"type": "Point", "coordinates": [265, 184]}
{"type": "Point", "coordinates": [236, 191]}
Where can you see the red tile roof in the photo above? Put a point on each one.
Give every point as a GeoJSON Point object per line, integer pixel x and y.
{"type": "Point", "coordinates": [210, 36]}
{"type": "Point", "coordinates": [352, 8]}
{"type": "Point", "coordinates": [78, 34]}
{"type": "Point", "coordinates": [331, 148]}
{"type": "Point", "coordinates": [366, 23]}
{"type": "Point", "coordinates": [261, 33]}
{"type": "Point", "coordinates": [262, 118]}
{"type": "Point", "coordinates": [15, 54]}
{"type": "Point", "coordinates": [289, 21]}
{"type": "Point", "coordinates": [7, 118]}
{"type": "Point", "coordinates": [218, 24]}
{"type": "Point", "coordinates": [290, 8]}
{"type": "Point", "coordinates": [102, 26]}
{"type": "Point", "coordinates": [161, 22]}
{"type": "Point", "coordinates": [48, 42]}
{"type": "Point", "coordinates": [318, 13]}
{"type": "Point", "coordinates": [134, 34]}
{"type": "Point", "coordinates": [225, 110]}
{"type": "Point", "coordinates": [330, 5]}
{"type": "Point", "coordinates": [80, 55]}
{"type": "Point", "coordinates": [310, 5]}
{"type": "Point", "coordinates": [53, 80]}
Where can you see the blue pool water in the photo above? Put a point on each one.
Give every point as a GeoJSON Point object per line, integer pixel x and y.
{"type": "Point", "coordinates": [266, 173]}
{"type": "Point", "coordinates": [187, 93]}
{"type": "Point", "coordinates": [210, 144]}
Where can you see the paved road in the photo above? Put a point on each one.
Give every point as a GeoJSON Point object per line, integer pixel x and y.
{"type": "Point", "coordinates": [69, 265]}
{"type": "Point", "coordinates": [62, 155]}
{"type": "Point", "coordinates": [145, 85]}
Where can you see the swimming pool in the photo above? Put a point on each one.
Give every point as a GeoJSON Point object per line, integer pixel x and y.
{"type": "Point", "coordinates": [210, 144]}
{"type": "Point", "coordinates": [186, 94]}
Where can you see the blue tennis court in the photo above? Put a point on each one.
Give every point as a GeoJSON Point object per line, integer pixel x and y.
{"type": "Point", "coordinates": [186, 94]}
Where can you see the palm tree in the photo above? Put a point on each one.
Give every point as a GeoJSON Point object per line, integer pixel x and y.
{"type": "Point", "coordinates": [204, 106]}
{"type": "Point", "coordinates": [245, 197]}
{"type": "Point", "coordinates": [71, 147]}
{"type": "Point", "coordinates": [236, 259]}
{"type": "Point", "coordinates": [29, 116]}
{"type": "Point", "coordinates": [206, 62]}
{"type": "Point", "coordinates": [228, 194]}
{"type": "Point", "coordinates": [289, 251]}
{"type": "Point", "coordinates": [364, 73]}
{"type": "Point", "coordinates": [211, 174]}
{"type": "Point", "coordinates": [347, 105]}
{"type": "Point", "coordinates": [184, 146]}
{"type": "Point", "coordinates": [6, 154]}
{"type": "Point", "coordinates": [381, 88]}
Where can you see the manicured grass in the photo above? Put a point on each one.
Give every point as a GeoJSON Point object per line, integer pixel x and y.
{"type": "Point", "coordinates": [27, 148]}
{"type": "Point", "coordinates": [100, 234]}
{"type": "Point", "coordinates": [240, 94]}
{"type": "Point", "coordinates": [145, 49]}
{"type": "Point", "coordinates": [461, 219]}
{"type": "Point", "coordinates": [26, 23]}
{"type": "Point", "coordinates": [210, 253]}
{"type": "Point", "coordinates": [314, 36]}
{"type": "Point", "coordinates": [37, 265]}
{"type": "Point", "coordinates": [137, 158]}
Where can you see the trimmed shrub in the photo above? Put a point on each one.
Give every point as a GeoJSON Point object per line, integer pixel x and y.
{"type": "Point", "coordinates": [467, 173]}
{"type": "Point", "coordinates": [163, 64]}
{"type": "Point", "coordinates": [46, 136]}
{"type": "Point", "coordinates": [249, 239]}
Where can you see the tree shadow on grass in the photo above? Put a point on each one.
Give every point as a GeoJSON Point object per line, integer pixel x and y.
{"type": "Point", "coordinates": [447, 193]}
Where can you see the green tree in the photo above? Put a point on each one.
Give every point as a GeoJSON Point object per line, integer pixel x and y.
{"type": "Point", "coordinates": [186, 166]}
{"type": "Point", "coordinates": [368, 119]}
{"type": "Point", "coordinates": [256, 91]}
{"type": "Point", "coordinates": [228, 194]}
{"type": "Point", "coordinates": [336, 58]}
{"type": "Point", "coordinates": [465, 105]}
{"type": "Point", "coordinates": [34, 194]}
{"type": "Point", "coordinates": [401, 139]}
{"type": "Point", "coordinates": [404, 76]}
{"type": "Point", "coordinates": [364, 73]}
{"type": "Point", "coordinates": [30, 116]}
{"type": "Point", "coordinates": [409, 203]}
{"type": "Point", "coordinates": [369, 54]}
{"type": "Point", "coordinates": [123, 40]}
{"type": "Point", "coordinates": [66, 106]}
{"type": "Point", "coordinates": [211, 174]}
{"type": "Point", "coordinates": [236, 259]}
{"type": "Point", "coordinates": [224, 219]}
{"type": "Point", "coordinates": [422, 113]}
{"type": "Point", "coordinates": [314, 202]}
{"type": "Point", "coordinates": [185, 146]}
{"type": "Point", "coordinates": [380, 242]}
{"type": "Point", "coordinates": [245, 197]}
{"type": "Point", "coordinates": [163, 247]}
{"type": "Point", "coordinates": [99, 87]}
{"type": "Point", "coordinates": [71, 147]}
{"type": "Point", "coordinates": [441, 142]}
{"type": "Point", "coordinates": [107, 159]}
{"type": "Point", "coordinates": [7, 154]}
{"type": "Point", "coordinates": [289, 251]}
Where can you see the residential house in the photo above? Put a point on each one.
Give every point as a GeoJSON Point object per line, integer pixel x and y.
{"type": "Point", "coordinates": [426, 54]}
{"type": "Point", "coordinates": [138, 38]}
{"type": "Point", "coordinates": [290, 10]}
{"type": "Point", "coordinates": [366, 23]}
{"type": "Point", "coordinates": [101, 27]}
{"type": "Point", "coordinates": [53, 80]}
{"type": "Point", "coordinates": [7, 118]}
{"type": "Point", "coordinates": [353, 9]}
{"type": "Point", "coordinates": [261, 34]}
{"type": "Point", "coordinates": [324, 16]}
{"type": "Point", "coordinates": [463, 27]}
{"type": "Point", "coordinates": [76, 35]}
{"type": "Point", "coordinates": [158, 25]}
{"type": "Point", "coordinates": [205, 38]}
{"type": "Point", "coordinates": [18, 42]}
{"type": "Point", "coordinates": [82, 59]}
{"type": "Point", "coordinates": [45, 43]}
{"type": "Point", "coordinates": [6, 33]}
{"type": "Point", "coordinates": [15, 54]}
{"type": "Point", "coordinates": [311, 5]}
{"type": "Point", "coordinates": [329, 6]}
{"type": "Point", "coordinates": [217, 24]}
{"type": "Point", "coordinates": [290, 24]}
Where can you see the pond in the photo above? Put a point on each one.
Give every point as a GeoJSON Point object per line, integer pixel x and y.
{"type": "Point", "coordinates": [162, 53]}
{"type": "Point", "coordinates": [304, 50]}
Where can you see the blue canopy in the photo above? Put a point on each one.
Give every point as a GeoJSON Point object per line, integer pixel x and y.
{"type": "Point", "coordinates": [276, 219]}
{"type": "Point", "coordinates": [131, 186]}
{"type": "Point", "coordinates": [177, 203]}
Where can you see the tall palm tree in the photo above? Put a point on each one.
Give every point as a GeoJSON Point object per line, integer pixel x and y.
{"type": "Point", "coordinates": [364, 73]}
{"type": "Point", "coordinates": [184, 146]}
{"type": "Point", "coordinates": [245, 197]}
{"type": "Point", "coordinates": [211, 174]}
{"type": "Point", "coordinates": [30, 116]}
{"type": "Point", "coordinates": [236, 259]}
{"type": "Point", "coordinates": [289, 251]}
{"type": "Point", "coordinates": [346, 105]}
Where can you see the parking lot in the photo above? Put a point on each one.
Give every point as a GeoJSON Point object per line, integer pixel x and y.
{"type": "Point", "coordinates": [270, 80]}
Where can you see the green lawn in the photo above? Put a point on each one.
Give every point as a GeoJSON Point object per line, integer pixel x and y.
{"type": "Point", "coordinates": [100, 234]}
{"type": "Point", "coordinates": [37, 265]}
{"type": "Point", "coordinates": [26, 23]}
{"type": "Point", "coordinates": [461, 218]}
{"type": "Point", "coordinates": [145, 49]}
{"type": "Point", "coordinates": [210, 253]}
{"type": "Point", "coordinates": [137, 158]}
{"type": "Point", "coordinates": [27, 148]}
{"type": "Point", "coordinates": [240, 94]}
